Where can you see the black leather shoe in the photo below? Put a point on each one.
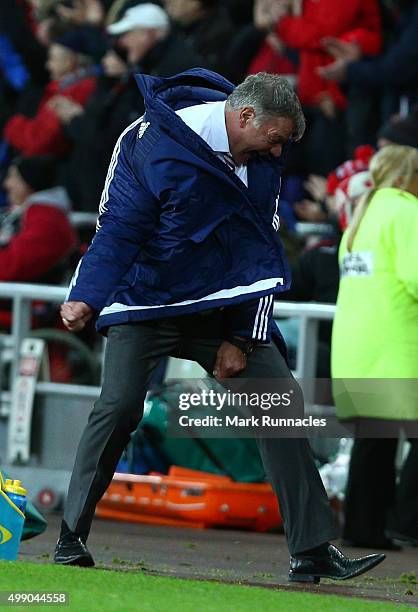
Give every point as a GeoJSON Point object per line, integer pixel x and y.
{"type": "Point", "coordinates": [333, 565]}
{"type": "Point", "coordinates": [72, 550]}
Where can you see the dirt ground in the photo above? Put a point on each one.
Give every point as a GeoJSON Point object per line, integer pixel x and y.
{"type": "Point", "coordinates": [226, 556]}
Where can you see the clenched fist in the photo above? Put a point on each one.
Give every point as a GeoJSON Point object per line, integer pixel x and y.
{"type": "Point", "coordinates": [230, 360]}
{"type": "Point", "coordinates": [75, 315]}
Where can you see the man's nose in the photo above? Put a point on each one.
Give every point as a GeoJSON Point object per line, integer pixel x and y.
{"type": "Point", "coordinates": [276, 150]}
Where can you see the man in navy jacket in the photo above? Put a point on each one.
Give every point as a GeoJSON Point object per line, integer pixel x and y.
{"type": "Point", "coordinates": [185, 262]}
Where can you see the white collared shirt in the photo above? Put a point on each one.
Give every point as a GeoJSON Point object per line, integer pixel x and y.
{"type": "Point", "coordinates": [208, 121]}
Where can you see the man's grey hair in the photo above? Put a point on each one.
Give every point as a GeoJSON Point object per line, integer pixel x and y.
{"type": "Point", "coordinates": [270, 96]}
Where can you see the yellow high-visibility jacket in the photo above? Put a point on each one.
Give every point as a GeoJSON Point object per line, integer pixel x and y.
{"type": "Point", "coordinates": [375, 331]}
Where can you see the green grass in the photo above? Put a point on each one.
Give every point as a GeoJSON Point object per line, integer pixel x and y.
{"type": "Point", "coordinates": [104, 590]}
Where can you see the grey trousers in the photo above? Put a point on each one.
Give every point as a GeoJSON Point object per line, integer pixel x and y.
{"type": "Point", "coordinates": [132, 353]}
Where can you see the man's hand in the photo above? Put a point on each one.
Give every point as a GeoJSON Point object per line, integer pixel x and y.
{"type": "Point", "coordinates": [349, 51]}
{"type": "Point", "coordinates": [316, 185]}
{"type": "Point", "coordinates": [307, 210]}
{"type": "Point", "coordinates": [327, 105]}
{"type": "Point", "coordinates": [64, 108]}
{"type": "Point", "coordinates": [75, 315]}
{"type": "Point", "coordinates": [336, 71]}
{"type": "Point", "coordinates": [230, 360]}
{"type": "Point", "coordinates": [268, 12]}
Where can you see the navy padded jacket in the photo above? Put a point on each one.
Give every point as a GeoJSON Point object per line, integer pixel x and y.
{"type": "Point", "coordinates": [178, 231]}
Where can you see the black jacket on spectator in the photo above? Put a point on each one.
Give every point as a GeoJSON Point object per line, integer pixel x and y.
{"type": "Point", "coordinates": [114, 105]}
{"type": "Point", "coordinates": [170, 56]}
{"type": "Point", "coordinates": [244, 47]}
{"type": "Point", "coordinates": [395, 73]}
{"type": "Point", "coordinates": [240, 11]}
{"type": "Point", "coordinates": [316, 278]}
{"type": "Point", "coordinates": [210, 38]}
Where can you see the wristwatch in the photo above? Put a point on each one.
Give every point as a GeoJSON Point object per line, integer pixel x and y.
{"type": "Point", "coordinates": [244, 345]}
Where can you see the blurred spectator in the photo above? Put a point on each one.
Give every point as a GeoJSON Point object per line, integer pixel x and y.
{"type": "Point", "coordinates": [72, 77]}
{"type": "Point", "coordinates": [313, 209]}
{"type": "Point", "coordinates": [240, 11]}
{"type": "Point", "coordinates": [273, 55]}
{"type": "Point", "coordinates": [17, 24]}
{"type": "Point", "coordinates": [400, 131]}
{"type": "Point", "coordinates": [93, 131]}
{"type": "Point", "coordinates": [394, 75]}
{"type": "Point", "coordinates": [347, 194]}
{"type": "Point", "coordinates": [355, 23]}
{"type": "Point", "coordinates": [206, 26]}
{"type": "Point", "coordinates": [319, 206]}
{"type": "Point", "coordinates": [144, 32]}
{"type": "Point", "coordinates": [145, 45]}
{"type": "Point", "coordinates": [13, 77]}
{"type": "Point", "coordinates": [375, 336]}
{"type": "Point", "coordinates": [87, 17]}
{"type": "Point", "coordinates": [360, 162]}
{"type": "Point", "coordinates": [258, 48]}
{"type": "Point", "coordinates": [23, 75]}
{"type": "Point", "coordinates": [36, 236]}
{"type": "Point", "coordinates": [11, 64]}
{"type": "Point", "coordinates": [82, 12]}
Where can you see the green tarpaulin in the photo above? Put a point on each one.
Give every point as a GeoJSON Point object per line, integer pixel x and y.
{"type": "Point", "coordinates": [235, 457]}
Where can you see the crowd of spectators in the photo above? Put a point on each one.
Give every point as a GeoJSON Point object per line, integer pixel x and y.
{"type": "Point", "coordinates": [67, 83]}
{"type": "Point", "coordinates": [68, 90]}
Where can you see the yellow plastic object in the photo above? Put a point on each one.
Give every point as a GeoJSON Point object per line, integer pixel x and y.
{"type": "Point", "coordinates": [12, 519]}
{"type": "Point", "coordinates": [14, 486]}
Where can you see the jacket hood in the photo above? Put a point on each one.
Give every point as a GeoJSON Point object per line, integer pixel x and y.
{"type": "Point", "coordinates": [164, 96]}
{"type": "Point", "coordinates": [207, 86]}
{"type": "Point", "coordinates": [56, 196]}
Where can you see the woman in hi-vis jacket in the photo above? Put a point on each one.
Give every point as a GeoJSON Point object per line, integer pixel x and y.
{"type": "Point", "coordinates": [375, 337]}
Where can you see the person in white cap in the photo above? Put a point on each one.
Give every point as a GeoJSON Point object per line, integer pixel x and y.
{"type": "Point", "coordinates": [144, 32]}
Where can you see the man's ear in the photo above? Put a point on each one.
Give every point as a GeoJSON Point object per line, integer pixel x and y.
{"type": "Point", "coordinates": [399, 182]}
{"type": "Point", "coordinates": [246, 115]}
